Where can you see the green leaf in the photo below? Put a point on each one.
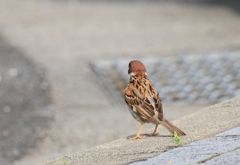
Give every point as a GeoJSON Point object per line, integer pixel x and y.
{"type": "Point", "coordinates": [64, 161]}
{"type": "Point", "coordinates": [177, 139]}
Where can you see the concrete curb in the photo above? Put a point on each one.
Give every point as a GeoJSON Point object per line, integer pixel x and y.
{"type": "Point", "coordinates": [206, 123]}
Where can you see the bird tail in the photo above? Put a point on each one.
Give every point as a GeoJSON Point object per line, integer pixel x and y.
{"type": "Point", "coordinates": [171, 128]}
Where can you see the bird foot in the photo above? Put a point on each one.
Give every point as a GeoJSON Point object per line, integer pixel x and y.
{"type": "Point", "coordinates": [152, 134]}
{"type": "Point", "coordinates": [137, 137]}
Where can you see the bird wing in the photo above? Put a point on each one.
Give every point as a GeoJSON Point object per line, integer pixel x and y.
{"type": "Point", "coordinates": [157, 100]}
{"type": "Point", "coordinates": [159, 107]}
{"type": "Point", "coordinates": [139, 103]}
{"type": "Point", "coordinates": [144, 101]}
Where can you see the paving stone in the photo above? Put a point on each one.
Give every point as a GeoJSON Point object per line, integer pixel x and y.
{"type": "Point", "coordinates": [231, 158]}
{"type": "Point", "coordinates": [214, 150]}
{"type": "Point", "coordinates": [180, 79]}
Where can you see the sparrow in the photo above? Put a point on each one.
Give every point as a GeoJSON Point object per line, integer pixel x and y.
{"type": "Point", "coordinates": [144, 101]}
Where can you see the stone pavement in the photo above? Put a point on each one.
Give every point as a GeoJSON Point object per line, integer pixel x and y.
{"type": "Point", "coordinates": [62, 37]}
{"type": "Point", "coordinates": [203, 124]}
{"type": "Point", "coordinates": [221, 149]}
{"type": "Point", "coordinates": [179, 79]}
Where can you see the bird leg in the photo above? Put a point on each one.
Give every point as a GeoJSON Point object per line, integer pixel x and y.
{"type": "Point", "coordinates": [154, 132]}
{"type": "Point", "coordinates": [138, 136]}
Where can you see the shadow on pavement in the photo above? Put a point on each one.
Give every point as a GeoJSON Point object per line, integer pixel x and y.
{"type": "Point", "coordinates": [25, 112]}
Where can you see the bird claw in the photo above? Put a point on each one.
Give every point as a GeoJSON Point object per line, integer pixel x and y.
{"type": "Point", "coordinates": [152, 134]}
{"type": "Point", "coordinates": [137, 137]}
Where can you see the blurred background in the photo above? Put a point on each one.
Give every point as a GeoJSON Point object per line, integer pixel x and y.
{"type": "Point", "coordinates": [63, 66]}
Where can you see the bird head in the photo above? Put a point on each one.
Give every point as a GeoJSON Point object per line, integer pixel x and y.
{"type": "Point", "coordinates": [137, 68]}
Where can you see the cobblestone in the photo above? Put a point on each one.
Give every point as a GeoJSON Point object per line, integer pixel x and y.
{"type": "Point", "coordinates": [180, 79]}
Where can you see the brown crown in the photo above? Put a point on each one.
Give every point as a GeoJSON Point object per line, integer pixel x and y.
{"type": "Point", "coordinates": [137, 67]}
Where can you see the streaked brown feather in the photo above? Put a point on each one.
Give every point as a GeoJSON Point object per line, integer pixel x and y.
{"type": "Point", "coordinates": [136, 95]}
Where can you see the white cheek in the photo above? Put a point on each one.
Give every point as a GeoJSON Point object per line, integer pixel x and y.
{"type": "Point", "coordinates": [131, 74]}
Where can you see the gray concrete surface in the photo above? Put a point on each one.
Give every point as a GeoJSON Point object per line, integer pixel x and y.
{"type": "Point", "coordinates": [63, 36]}
{"type": "Point", "coordinates": [202, 124]}
{"type": "Point", "coordinates": [25, 104]}
{"type": "Point", "coordinates": [221, 149]}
